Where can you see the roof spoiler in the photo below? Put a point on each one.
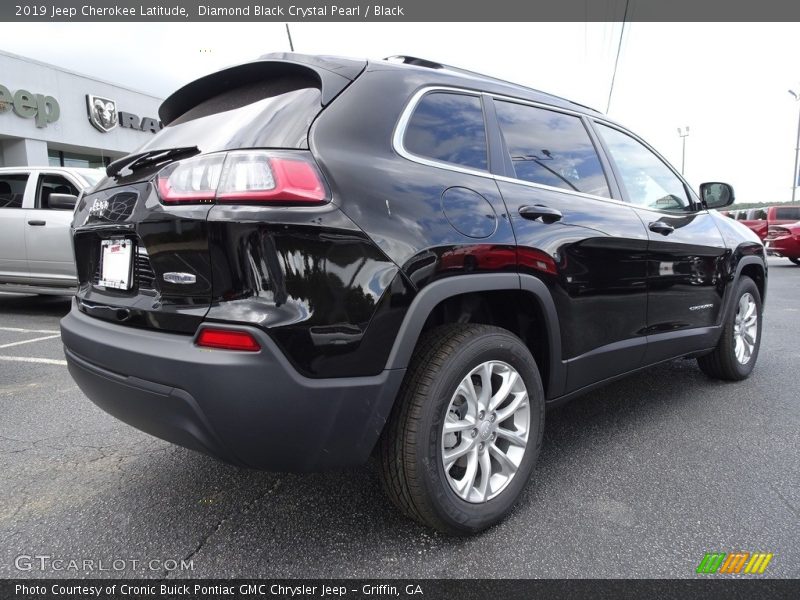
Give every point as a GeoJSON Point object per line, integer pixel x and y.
{"type": "Point", "coordinates": [333, 73]}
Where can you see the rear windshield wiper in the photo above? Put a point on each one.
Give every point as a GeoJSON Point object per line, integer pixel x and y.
{"type": "Point", "coordinates": [149, 158]}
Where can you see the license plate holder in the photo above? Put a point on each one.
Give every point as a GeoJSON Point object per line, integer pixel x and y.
{"type": "Point", "coordinates": [116, 264]}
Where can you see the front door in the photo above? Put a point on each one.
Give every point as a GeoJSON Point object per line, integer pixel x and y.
{"type": "Point", "coordinates": [686, 252]}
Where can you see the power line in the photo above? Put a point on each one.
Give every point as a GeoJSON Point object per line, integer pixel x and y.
{"type": "Point", "coordinates": [289, 35]}
{"type": "Point", "coordinates": [619, 50]}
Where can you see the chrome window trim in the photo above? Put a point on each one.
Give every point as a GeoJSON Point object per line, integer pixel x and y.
{"type": "Point", "coordinates": [405, 117]}
{"type": "Point", "coordinates": [402, 124]}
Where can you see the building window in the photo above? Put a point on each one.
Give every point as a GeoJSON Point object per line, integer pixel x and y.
{"type": "Point", "coordinates": [58, 158]}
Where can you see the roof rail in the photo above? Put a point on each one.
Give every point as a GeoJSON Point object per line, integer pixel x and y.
{"type": "Point", "coordinates": [418, 62]}
{"type": "Point", "coordinates": [430, 64]}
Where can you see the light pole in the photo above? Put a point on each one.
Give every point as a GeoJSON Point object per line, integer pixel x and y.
{"type": "Point", "coordinates": [796, 150]}
{"type": "Point", "coordinates": [684, 133]}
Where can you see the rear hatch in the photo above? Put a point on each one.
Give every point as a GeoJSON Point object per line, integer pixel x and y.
{"type": "Point", "coordinates": [142, 236]}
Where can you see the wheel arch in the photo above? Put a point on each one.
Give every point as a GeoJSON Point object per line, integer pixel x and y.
{"type": "Point", "coordinates": [755, 268]}
{"type": "Point", "coordinates": [435, 294]}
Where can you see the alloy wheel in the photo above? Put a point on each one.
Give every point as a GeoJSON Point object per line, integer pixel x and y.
{"type": "Point", "coordinates": [485, 432]}
{"type": "Point", "coordinates": [745, 328]}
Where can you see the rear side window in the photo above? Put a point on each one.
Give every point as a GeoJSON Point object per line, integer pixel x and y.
{"type": "Point", "coordinates": [12, 190]}
{"type": "Point", "coordinates": [448, 127]}
{"type": "Point", "coordinates": [788, 213]}
{"type": "Point", "coordinates": [551, 148]}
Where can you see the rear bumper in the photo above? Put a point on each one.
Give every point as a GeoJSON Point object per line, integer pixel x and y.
{"type": "Point", "coordinates": [248, 408]}
{"type": "Point", "coordinates": [787, 247]}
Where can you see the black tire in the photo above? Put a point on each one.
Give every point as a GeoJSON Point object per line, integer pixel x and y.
{"type": "Point", "coordinates": [795, 260]}
{"type": "Point", "coordinates": [410, 448]}
{"type": "Point", "coordinates": [722, 362]}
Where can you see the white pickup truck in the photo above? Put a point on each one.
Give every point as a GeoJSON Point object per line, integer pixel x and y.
{"type": "Point", "coordinates": [36, 206]}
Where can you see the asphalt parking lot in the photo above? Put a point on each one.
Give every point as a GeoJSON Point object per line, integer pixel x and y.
{"type": "Point", "coordinates": [639, 479]}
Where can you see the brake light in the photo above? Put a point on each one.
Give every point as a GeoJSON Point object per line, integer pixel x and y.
{"type": "Point", "coordinates": [227, 339]}
{"type": "Point", "coordinates": [243, 176]}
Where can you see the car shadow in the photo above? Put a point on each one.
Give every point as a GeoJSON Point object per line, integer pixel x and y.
{"type": "Point", "coordinates": [346, 511]}
{"type": "Point", "coordinates": [31, 305]}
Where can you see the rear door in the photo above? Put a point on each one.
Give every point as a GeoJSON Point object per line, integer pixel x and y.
{"type": "Point", "coordinates": [592, 256]}
{"type": "Point", "coordinates": [47, 232]}
{"type": "Point", "coordinates": [13, 192]}
{"type": "Point", "coordinates": [686, 252]}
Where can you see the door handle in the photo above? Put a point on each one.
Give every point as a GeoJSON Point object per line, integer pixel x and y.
{"type": "Point", "coordinates": [37, 223]}
{"type": "Point", "coordinates": [538, 211]}
{"type": "Point", "coordinates": [661, 227]}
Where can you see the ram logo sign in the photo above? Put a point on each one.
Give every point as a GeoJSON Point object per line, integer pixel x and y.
{"type": "Point", "coordinates": [736, 563]}
{"type": "Point", "coordinates": [102, 112]}
{"type": "Point", "coordinates": [104, 116]}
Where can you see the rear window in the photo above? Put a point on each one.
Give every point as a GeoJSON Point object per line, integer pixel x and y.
{"type": "Point", "coordinates": [12, 190]}
{"type": "Point", "coordinates": [273, 113]}
{"type": "Point", "coordinates": [449, 127]}
{"type": "Point", "coordinates": [788, 213]}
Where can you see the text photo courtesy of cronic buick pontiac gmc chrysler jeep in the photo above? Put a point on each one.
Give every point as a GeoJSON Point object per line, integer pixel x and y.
{"type": "Point", "coordinates": [320, 259]}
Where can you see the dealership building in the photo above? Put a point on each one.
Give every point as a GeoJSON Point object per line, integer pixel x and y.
{"type": "Point", "coordinates": [51, 116]}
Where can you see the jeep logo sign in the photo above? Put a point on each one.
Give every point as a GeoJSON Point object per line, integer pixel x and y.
{"type": "Point", "coordinates": [104, 116]}
{"type": "Point", "coordinates": [42, 109]}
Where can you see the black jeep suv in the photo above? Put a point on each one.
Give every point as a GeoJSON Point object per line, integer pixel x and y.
{"type": "Point", "coordinates": [321, 259]}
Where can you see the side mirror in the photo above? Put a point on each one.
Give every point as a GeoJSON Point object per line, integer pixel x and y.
{"type": "Point", "coordinates": [62, 201]}
{"type": "Point", "coordinates": [716, 194]}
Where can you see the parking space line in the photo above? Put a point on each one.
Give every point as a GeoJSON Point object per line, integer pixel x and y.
{"type": "Point", "coordinates": [39, 339]}
{"type": "Point", "coordinates": [20, 330]}
{"type": "Point", "coordinates": [29, 359]}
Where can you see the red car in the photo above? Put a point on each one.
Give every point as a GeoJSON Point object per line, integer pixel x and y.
{"type": "Point", "coordinates": [784, 240]}
{"type": "Point", "coordinates": [761, 220]}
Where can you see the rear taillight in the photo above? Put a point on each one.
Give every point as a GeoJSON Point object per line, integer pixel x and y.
{"type": "Point", "coordinates": [776, 232]}
{"type": "Point", "coordinates": [244, 176]}
{"type": "Point", "coordinates": [227, 339]}
{"type": "Point", "coordinates": [193, 180]}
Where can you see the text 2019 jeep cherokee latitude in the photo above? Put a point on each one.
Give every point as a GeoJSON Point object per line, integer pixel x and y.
{"type": "Point", "coordinates": [318, 258]}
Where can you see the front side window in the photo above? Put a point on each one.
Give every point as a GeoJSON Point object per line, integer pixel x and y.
{"type": "Point", "coordinates": [448, 127]}
{"type": "Point", "coordinates": [12, 190]}
{"type": "Point", "coordinates": [53, 184]}
{"type": "Point", "coordinates": [648, 180]}
{"type": "Point", "coordinates": [551, 148]}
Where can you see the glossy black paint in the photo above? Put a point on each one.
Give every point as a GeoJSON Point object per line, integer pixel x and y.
{"type": "Point", "coordinates": [320, 280]}
{"type": "Point", "coordinates": [175, 238]}
{"type": "Point", "coordinates": [344, 289]}
{"type": "Point", "coordinates": [310, 278]}
{"type": "Point", "coordinates": [685, 272]}
{"type": "Point", "coordinates": [399, 203]}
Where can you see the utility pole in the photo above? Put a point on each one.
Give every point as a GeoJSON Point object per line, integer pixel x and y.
{"type": "Point", "coordinates": [796, 150]}
{"type": "Point", "coordinates": [684, 133]}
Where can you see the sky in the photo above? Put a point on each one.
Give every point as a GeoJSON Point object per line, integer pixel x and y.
{"type": "Point", "coordinates": [728, 82]}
